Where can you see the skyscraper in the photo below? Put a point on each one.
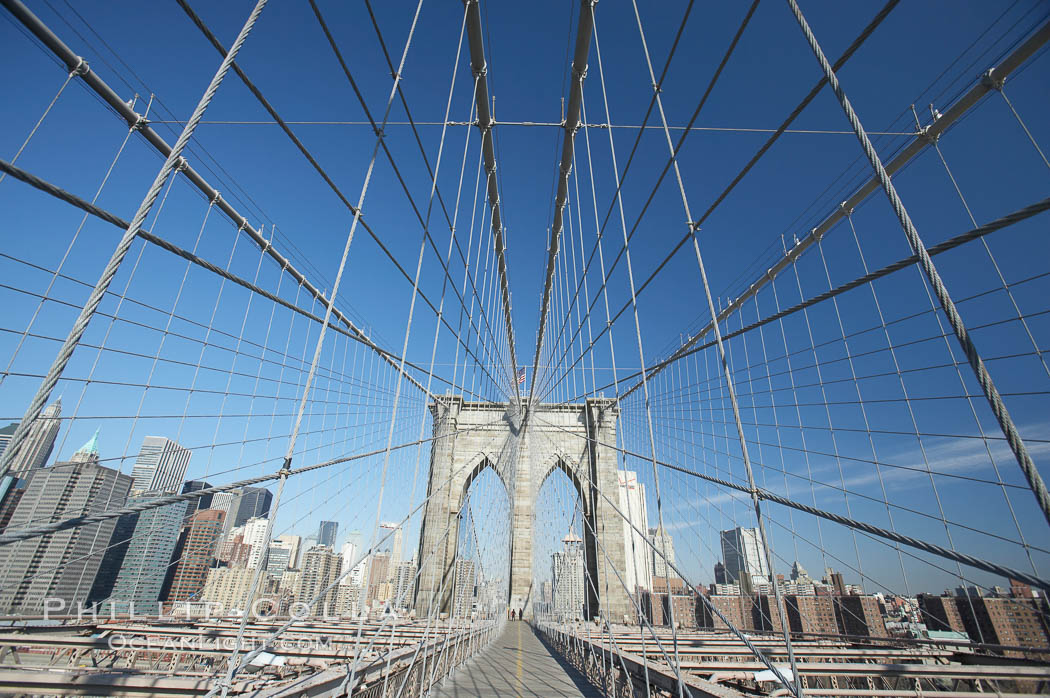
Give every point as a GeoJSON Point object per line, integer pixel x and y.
{"type": "Point", "coordinates": [141, 577]}
{"type": "Point", "coordinates": [277, 560]}
{"type": "Point", "coordinates": [60, 565]}
{"type": "Point", "coordinates": [38, 444]}
{"type": "Point", "coordinates": [293, 544]}
{"type": "Point", "coordinates": [742, 554]}
{"type": "Point", "coordinates": [463, 589]}
{"type": "Point", "coordinates": [160, 466]}
{"type": "Point", "coordinates": [349, 553]}
{"type": "Point", "coordinates": [247, 503]}
{"type": "Point", "coordinates": [567, 577]}
{"type": "Point", "coordinates": [662, 554]}
{"type": "Point", "coordinates": [327, 532]}
{"type": "Point", "coordinates": [191, 570]}
{"type": "Point", "coordinates": [200, 503]}
{"type": "Point", "coordinates": [113, 558]}
{"type": "Point", "coordinates": [638, 555]}
{"type": "Point", "coordinates": [255, 536]}
{"type": "Point", "coordinates": [393, 544]}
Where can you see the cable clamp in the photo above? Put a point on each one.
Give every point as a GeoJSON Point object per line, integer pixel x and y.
{"type": "Point", "coordinates": [181, 164]}
{"type": "Point", "coordinates": [482, 71]}
{"type": "Point", "coordinates": [580, 75]}
{"type": "Point", "coordinates": [216, 199]}
{"type": "Point", "coordinates": [845, 211]}
{"type": "Point", "coordinates": [990, 80]}
{"type": "Point", "coordinates": [81, 68]}
{"type": "Point", "coordinates": [694, 226]}
{"type": "Point", "coordinates": [287, 466]}
{"type": "Point", "coordinates": [141, 122]}
{"type": "Point", "coordinates": [656, 88]}
{"type": "Point", "coordinates": [924, 134]}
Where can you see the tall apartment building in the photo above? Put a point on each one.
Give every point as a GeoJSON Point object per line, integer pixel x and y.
{"type": "Point", "coordinates": [860, 615]}
{"type": "Point", "coordinates": [379, 587]}
{"type": "Point", "coordinates": [638, 571]}
{"type": "Point", "coordinates": [567, 577]}
{"type": "Point", "coordinates": [404, 583]}
{"type": "Point", "coordinates": [228, 588]}
{"type": "Point", "coordinates": [811, 614]}
{"type": "Point", "coordinates": [60, 565]}
{"type": "Point", "coordinates": [320, 569]}
{"type": "Point", "coordinates": [160, 466]}
{"type": "Point", "coordinates": [138, 585]}
{"type": "Point", "coordinates": [39, 442]}
{"type": "Point", "coordinates": [745, 562]}
{"type": "Point", "coordinates": [327, 532]}
{"type": "Point", "coordinates": [661, 541]}
{"type": "Point", "coordinates": [191, 570]}
{"type": "Point", "coordinates": [1019, 621]}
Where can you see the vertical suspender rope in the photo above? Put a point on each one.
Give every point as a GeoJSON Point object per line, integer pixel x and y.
{"type": "Point", "coordinates": [796, 686]}
{"type": "Point", "coordinates": [1002, 415]}
{"type": "Point", "coordinates": [91, 305]}
{"type": "Point", "coordinates": [225, 687]}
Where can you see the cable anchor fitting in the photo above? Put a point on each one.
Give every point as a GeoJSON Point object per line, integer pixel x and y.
{"type": "Point", "coordinates": [181, 164]}
{"type": "Point", "coordinates": [80, 69]}
{"type": "Point", "coordinates": [286, 467]}
{"type": "Point", "coordinates": [990, 80]}
{"type": "Point", "coordinates": [141, 122]}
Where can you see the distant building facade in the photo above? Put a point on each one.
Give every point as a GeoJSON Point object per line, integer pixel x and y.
{"type": "Point", "coordinates": [160, 466]}
{"type": "Point", "coordinates": [138, 585]}
{"type": "Point", "coordinates": [60, 565]}
{"type": "Point", "coordinates": [198, 551]}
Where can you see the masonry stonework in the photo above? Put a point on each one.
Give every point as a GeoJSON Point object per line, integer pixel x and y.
{"type": "Point", "coordinates": [524, 449]}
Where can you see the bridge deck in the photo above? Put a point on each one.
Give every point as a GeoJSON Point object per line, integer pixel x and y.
{"type": "Point", "coordinates": [517, 664]}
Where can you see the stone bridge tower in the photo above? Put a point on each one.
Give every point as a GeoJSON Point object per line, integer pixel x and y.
{"type": "Point", "coordinates": [575, 439]}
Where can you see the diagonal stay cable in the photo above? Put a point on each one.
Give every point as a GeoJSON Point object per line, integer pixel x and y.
{"type": "Point", "coordinates": [210, 36]}
{"type": "Point", "coordinates": [350, 330]}
{"type": "Point", "coordinates": [999, 409]}
{"type": "Point", "coordinates": [171, 162]}
{"type": "Point", "coordinates": [952, 243]}
{"type": "Point", "coordinates": [954, 555]}
{"type": "Point", "coordinates": [847, 54]}
{"type": "Point", "coordinates": [13, 536]}
{"type": "Point", "coordinates": [139, 123]}
{"type": "Point", "coordinates": [689, 127]}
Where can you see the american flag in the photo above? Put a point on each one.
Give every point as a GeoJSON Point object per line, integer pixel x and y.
{"type": "Point", "coordinates": [521, 375]}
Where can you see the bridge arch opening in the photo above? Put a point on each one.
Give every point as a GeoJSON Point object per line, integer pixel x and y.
{"type": "Point", "coordinates": [560, 583]}
{"type": "Point", "coordinates": [480, 574]}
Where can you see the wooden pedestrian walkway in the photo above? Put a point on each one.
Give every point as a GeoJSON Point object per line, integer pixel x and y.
{"type": "Point", "coordinates": [517, 665]}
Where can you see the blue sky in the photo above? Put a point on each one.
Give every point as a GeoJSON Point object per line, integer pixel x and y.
{"type": "Point", "coordinates": [923, 53]}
